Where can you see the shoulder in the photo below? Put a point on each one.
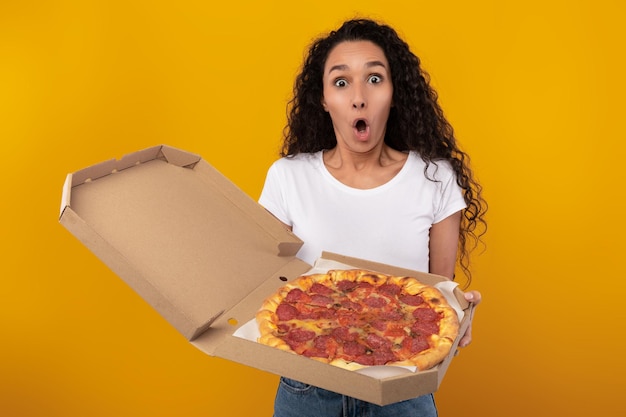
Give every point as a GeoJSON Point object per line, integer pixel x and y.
{"type": "Point", "coordinates": [439, 170]}
{"type": "Point", "coordinates": [301, 163]}
{"type": "Point", "coordinates": [289, 162]}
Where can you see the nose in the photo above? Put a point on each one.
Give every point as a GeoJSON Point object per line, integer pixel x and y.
{"type": "Point", "coordinates": [358, 104]}
{"type": "Point", "coordinates": [358, 101]}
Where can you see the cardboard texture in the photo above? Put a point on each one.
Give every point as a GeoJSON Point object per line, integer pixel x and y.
{"type": "Point", "coordinates": [205, 256]}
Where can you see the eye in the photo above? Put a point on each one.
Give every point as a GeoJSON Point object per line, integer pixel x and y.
{"type": "Point", "coordinates": [340, 82]}
{"type": "Point", "coordinates": [375, 79]}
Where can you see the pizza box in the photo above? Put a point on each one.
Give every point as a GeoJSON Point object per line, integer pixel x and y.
{"type": "Point", "coordinates": [205, 255]}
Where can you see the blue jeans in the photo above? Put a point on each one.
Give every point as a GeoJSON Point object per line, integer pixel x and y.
{"type": "Point", "coordinates": [296, 399]}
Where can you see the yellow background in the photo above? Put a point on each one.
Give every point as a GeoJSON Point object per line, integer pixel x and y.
{"type": "Point", "coordinates": [534, 89]}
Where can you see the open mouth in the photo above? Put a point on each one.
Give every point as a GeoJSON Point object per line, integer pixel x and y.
{"type": "Point", "coordinates": [361, 126]}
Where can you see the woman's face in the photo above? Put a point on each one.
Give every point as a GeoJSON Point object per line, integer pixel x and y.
{"type": "Point", "coordinates": [358, 94]}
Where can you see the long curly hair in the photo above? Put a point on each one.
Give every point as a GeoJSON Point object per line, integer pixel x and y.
{"type": "Point", "coordinates": [416, 121]}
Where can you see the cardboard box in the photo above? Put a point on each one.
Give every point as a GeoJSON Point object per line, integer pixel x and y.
{"type": "Point", "coordinates": [205, 256]}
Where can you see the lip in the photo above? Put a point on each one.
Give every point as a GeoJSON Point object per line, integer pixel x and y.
{"type": "Point", "coordinates": [364, 133]}
{"type": "Point", "coordinates": [360, 119]}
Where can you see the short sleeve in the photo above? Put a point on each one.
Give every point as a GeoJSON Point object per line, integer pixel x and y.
{"type": "Point", "coordinates": [450, 197]}
{"type": "Point", "coordinates": [272, 196]}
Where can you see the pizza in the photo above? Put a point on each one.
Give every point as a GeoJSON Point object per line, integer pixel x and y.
{"type": "Point", "coordinates": [356, 318]}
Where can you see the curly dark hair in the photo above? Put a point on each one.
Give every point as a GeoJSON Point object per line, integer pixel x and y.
{"type": "Point", "coordinates": [416, 121]}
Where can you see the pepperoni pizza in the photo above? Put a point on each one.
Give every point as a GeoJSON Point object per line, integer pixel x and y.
{"type": "Point", "coordinates": [356, 318]}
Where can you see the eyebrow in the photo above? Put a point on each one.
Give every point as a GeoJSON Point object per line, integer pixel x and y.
{"type": "Point", "coordinates": [344, 67]}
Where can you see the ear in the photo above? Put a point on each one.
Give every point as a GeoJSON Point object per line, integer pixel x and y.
{"type": "Point", "coordinates": [324, 104]}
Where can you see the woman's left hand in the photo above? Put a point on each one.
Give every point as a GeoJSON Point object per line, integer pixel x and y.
{"type": "Point", "coordinates": [475, 298]}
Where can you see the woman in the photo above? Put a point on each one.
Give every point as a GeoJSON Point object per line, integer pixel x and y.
{"type": "Point", "coordinates": [371, 169]}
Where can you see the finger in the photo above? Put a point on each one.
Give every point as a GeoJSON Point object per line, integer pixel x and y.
{"type": "Point", "coordinates": [473, 296]}
{"type": "Point", "coordinates": [467, 338]}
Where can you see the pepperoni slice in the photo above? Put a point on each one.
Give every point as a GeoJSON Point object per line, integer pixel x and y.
{"type": "Point", "coordinates": [297, 339]}
{"type": "Point", "coordinates": [343, 334]}
{"type": "Point", "coordinates": [286, 312]}
{"type": "Point", "coordinates": [318, 288]}
{"type": "Point", "coordinates": [391, 315]}
{"type": "Point", "coordinates": [412, 300]}
{"type": "Point", "coordinates": [300, 335]}
{"type": "Point", "coordinates": [415, 344]}
{"type": "Point", "coordinates": [314, 313]}
{"type": "Point", "coordinates": [324, 346]}
{"type": "Point", "coordinates": [326, 343]}
{"type": "Point", "coordinates": [379, 325]}
{"type": "Point", "coordinates": [384, 356]}
{"type": "Point", "coordinates": [295, 295]}
{"type": "Point", "coordinates": [390, 289]}
{"type": "Point", "coordinates": [321, 300]}
{"type": "Point", "coordinates": [425, 328]}
{"type": "Point", "coordinates": [349, 320]}
{"type": "Point", "coordinates": [346, 285]}
{"type": "Point", "coordinates": [375, 302]}
{"type": "Point", "coordinates": [375, 341]}
{"type": "Point", "coordinates": [426, 314]}
{"type": "Point", "coordinates": [351, 305]}
{"type": "Point", "coordinates": [353, 348]}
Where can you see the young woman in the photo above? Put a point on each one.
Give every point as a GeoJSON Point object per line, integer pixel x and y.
{"type": "Point", "coordinates": [371, 169]}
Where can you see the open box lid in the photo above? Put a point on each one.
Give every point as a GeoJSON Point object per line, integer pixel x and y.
{"type": "Point", "coordinates": [177, 231]}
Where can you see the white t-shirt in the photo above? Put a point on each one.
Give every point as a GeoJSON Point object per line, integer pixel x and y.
{"type": "Point", "coordinates": [389, 223]}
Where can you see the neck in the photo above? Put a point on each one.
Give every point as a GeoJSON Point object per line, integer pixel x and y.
{"type": "Point", "coordinates": [364, 170]}
{"type": "Point", "coordinates": [346, 159]}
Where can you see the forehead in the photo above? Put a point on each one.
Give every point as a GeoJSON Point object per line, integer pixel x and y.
{"type": "Point", "coordinates": [355, 53]}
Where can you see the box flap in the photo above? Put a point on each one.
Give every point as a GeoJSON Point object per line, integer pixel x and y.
{"type": "Point", "coordinates": [177, 231]}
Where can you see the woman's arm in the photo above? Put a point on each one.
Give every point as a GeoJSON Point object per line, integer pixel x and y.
{"type": "Point", "coordinates": [443, 246]}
